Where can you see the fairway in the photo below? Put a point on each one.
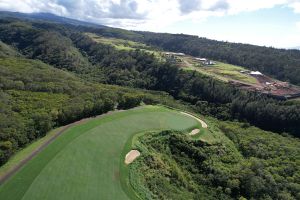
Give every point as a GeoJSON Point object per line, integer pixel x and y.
{"type": "Point", "coordinates": [84, 162]}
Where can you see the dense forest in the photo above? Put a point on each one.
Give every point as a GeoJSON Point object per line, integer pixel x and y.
{"type": "Point", "coordinates": [247, 164]}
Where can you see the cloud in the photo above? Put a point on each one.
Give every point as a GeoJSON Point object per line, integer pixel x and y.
{"type": "Point", "coordinates": [188, 6]}
{"type": "Point", "coordinates": [126, 9]}
{"type": "Point", "coordinates": [143, 14]}
{"type": "Point", "coordinates": [298, 25]}
{"type": "Point", "coordinates": [296, 6]}
{"type": "Point", "coordinates": [220, 5]}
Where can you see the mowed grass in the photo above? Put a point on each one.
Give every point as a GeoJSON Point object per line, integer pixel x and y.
{"type": "Point", "coordinates": [22, 154]}
{"type": "Point", "coordinates": [84, 162]}
{"type": "Point", "coordinates": [222, 71]}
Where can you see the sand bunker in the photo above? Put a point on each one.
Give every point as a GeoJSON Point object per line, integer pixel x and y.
{"type": "Point", "coordinates": [203, 124]}
{"type": "Point", "coordinates": [131, 156]}
{"type": "Point", "coordinates": [194, 132]}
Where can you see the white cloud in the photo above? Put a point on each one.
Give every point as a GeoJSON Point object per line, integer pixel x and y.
{"type": "Point", "coordinates": [296, 6]}
{"type": "Point", "coordinates": [298, 25]}
{"type": "Point", "coordinates": [143, 14]}
{"type": "Point", "coordinates": [237, 6]}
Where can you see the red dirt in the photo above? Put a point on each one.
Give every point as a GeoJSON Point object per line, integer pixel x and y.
{"type": "Point", "coordinates": [274, 87]}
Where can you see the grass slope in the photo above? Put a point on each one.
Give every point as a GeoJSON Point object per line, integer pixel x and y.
{"type": "Point", "coordinates": [122, 44]}
{"type": "Point", "coordinates": [24, 153]}
{"type": "Point", "coordinates": [6, 50]}
{"type": "Point", "coordinates": [222, 71]}
{"type": "Point", "coordinates": [83, 163]}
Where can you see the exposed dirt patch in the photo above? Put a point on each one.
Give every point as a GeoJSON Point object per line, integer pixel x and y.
{"type": "Point", "coordinates": [203, 124]}
{"type": "Point", "coordinates": [131, 156]}
{"type": "Point", "coordinates": [194, 132]}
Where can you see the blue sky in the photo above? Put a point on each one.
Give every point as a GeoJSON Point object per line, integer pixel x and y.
{"type": "Point", "coordinates": [262, 22]}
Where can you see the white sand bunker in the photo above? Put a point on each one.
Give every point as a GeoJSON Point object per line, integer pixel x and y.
{"type": "Point", "coordinates": [131, 156]}
{"type": "Point", "coordinates": [203, 124]}
{"type": "Point", "coordinates": [194, 132]}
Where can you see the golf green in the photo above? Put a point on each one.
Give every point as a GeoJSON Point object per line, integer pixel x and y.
{"type": "Point", "coordinates": [84, 162]}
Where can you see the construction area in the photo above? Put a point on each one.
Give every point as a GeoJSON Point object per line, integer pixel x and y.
{"type": "Point", "coordinates": [267, 85]}
{"type": "Point", "coordinates": [236, 75]}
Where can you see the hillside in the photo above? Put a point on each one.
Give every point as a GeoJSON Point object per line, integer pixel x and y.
{"type": "Point", "coordinates": [69, 48]}
{"type": "Point", "coordinates": [279, 63]}
{"type": "Point", "coordinates": [36, 97]}
{"type": "Point", "coordinates": [47, 17]}
{"type": "Point", "coordinates": [110, 113]}
{"type": "Point", "coordinates": [244, 162]}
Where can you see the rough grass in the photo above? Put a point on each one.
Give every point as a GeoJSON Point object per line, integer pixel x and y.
{"type": "Point", "coordinates": [84, 162]}
{"type": "Point", "coordinates": [6, 50]}
{"type": "Point", "coordinates": [118, 43]}
{"type": "Point", "coordinates": [127, 45]}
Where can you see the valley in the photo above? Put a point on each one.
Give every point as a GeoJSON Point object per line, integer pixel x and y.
{"type": "Point", "coordinates": [89, 112]}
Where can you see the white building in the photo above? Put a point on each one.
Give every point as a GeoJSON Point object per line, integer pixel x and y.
{"type": "Point", "coordinates": [257, 73]}
{"type": "Point", "coordinates": [201, 59]}
{"type": "Point", "coordinates": [206, 61]}
{"type": "Point", "coordinates": [175, 54]}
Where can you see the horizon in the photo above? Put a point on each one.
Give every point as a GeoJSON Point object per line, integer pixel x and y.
{"type": "Point", "coordinates": [264, 23]}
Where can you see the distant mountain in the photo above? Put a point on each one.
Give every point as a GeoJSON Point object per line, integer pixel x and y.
{"type": "Point", "coordinates": [48, 17]}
